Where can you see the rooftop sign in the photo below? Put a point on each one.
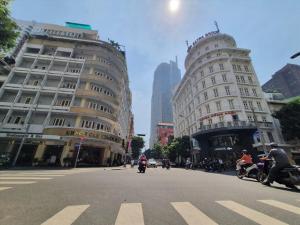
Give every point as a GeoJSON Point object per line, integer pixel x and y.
{"type": "Point", "coordinates": [203, 36]}
{"type": "Point", "coordinates": [78, 26]}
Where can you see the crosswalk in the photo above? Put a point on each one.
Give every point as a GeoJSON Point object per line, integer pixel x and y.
{"type": "Point", "coordinates": [17, 178]}
{"type": "Point", "coordinates": [132, 213]}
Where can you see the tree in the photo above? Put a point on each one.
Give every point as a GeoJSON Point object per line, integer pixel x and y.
{"type": "Point", "coordinates": [8, 27]}
{"type": "Point", "coordinates": [157, 151]}
{"type": "Point", "coordinates": [137, 143]}
{"type": "Point", "coordinates": [289, 117]}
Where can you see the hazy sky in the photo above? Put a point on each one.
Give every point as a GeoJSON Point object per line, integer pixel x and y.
{"type": "Point", "coordinates": [152, 34]}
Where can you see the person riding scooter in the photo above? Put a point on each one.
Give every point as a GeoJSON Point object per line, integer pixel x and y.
{"type": "Point", "coordinates": [244, 161]}
{"type": "Point", "coordinates": [281, 161]}
{"type": "Point", "coordinates": [142, 163]}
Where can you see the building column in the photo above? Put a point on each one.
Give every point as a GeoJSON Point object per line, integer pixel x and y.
{"type": "Point", "coordinates": [40, 151]}
{"type": "Point", "coordinates": [65, 153]}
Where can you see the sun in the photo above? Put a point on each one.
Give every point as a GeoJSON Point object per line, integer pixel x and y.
{"type": "Point", "coordinates": [174, 5]}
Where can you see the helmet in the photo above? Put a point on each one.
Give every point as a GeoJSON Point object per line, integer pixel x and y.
{"type": "Point", "coordinates": [273, 145]}
{"type": "Point", "coordinates": [244, 151]}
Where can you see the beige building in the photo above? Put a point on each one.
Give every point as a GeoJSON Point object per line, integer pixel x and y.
{"type": "Point", "coordinates": [68, 88]}
{"type": "Point", "coordinates": [219, 101]}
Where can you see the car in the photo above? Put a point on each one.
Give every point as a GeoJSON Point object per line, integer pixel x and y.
{"type": "Point", "coordinates": [152, 163]}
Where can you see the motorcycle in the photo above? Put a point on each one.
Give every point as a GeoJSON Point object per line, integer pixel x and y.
{"type": "Point", "coordinates": [289, 176]}
{"type": "Point", "coordinates": [252, 171]}
{"type": "Point", "coordinates": [142, 166]}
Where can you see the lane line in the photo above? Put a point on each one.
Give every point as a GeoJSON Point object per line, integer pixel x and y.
{"type": "Point", "coordinates": [251, 214]}
{"type": "Point", "coordinates": [25, 178]}
{"type": "Point", "coordinates": [36, 175]}
{"type": "Point", "coordinates": [4, 188]}
{"type": "Point", "coordinates": [282, 205]}
{"type": "Point", "coordinates": [130, 214]}
{"type": "Point", "coordinates": [191, 214]}
{"type": "Point", "coordinates": [17, 182]}
{"type": "Point", "coordinates": [66, 216]}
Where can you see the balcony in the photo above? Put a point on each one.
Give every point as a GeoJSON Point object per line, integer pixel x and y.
{"type": "Point", "coordinates": [236, 125]}
{"type": "Point", "coordinates": [96, 96]}
{"type": "Point", "coordinates": [101, 80]}
{"type": "Point", "coordinates": [90, 112]}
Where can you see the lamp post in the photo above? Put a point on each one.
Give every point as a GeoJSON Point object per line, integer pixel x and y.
{"type": "Point", "coordinates": [259, 130]}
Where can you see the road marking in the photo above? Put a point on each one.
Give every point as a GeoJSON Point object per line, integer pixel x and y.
{"type": "Point", "coordinates": [191, 214]}
{"type": "Point", "coordinates": [17, 182]}
{"type": "Point", "coordinates": [66, 216]}
{"type": "Point", "coordinates": [4, 188]}
{"type": "Point", "coordinates": [251, 214]}
{"type": "Point", "coordinates": [282, 205]}
{"type": "Point", "coordinates": [25, 178]}
{"type": "Point", "coordinates": [36, 175]}
{"type": "Point", "coordinates": [130, 214]}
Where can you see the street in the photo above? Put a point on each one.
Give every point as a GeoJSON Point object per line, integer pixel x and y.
{"type": "Point", "coordinates": [107, 196]}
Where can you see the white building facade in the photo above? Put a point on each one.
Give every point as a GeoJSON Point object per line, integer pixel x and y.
{"type": "Point", "coordinates": [219, 101]}
{"type": "Point", "coordinates": [68, 88]}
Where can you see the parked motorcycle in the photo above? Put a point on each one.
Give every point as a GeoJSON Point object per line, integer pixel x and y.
{"type": "Point", "coordinates": [289, 176]}
{"type": "Point", "coordinates": [142, 166]}
{"type": "Point", "coordinates": [252, 171]}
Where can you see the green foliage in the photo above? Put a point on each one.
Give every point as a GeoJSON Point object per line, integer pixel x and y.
{"type": "Point", "coordinates": [289, 117]}
{"type": "Point", "coordinates": [8, 27]}
{"type": "Point", "coordinates": [137, 143]}
{"type": "Point", "coordinates": [178, 147]}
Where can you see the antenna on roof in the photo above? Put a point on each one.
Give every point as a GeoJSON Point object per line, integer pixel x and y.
{"type": "Point", "coordinates": [217, 26]}
{"type": "Point", "coordinates": [187, 43]}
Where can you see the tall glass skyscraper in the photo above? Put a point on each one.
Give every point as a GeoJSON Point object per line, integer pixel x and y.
{"type": "Point", "coordinates": [166, 77]}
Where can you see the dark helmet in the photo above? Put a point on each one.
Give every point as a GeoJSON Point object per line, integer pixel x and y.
{"type": "Point", "coordinates": [273, 145]}
{"type": "Point", "coordinates": [244, 151]}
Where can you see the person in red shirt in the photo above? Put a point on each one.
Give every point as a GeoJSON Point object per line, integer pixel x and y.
{"type": "Point", "coordinates": [245, 160]}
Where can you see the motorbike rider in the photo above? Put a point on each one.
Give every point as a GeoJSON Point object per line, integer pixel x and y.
{"type": "Point", "coordinates": [142, 158]}
{"type": "Point", "coordinates": [244, 161]}
{"type": "Point", "coordinates": [281, 161]}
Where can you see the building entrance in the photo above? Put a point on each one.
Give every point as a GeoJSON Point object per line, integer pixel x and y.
{"type": "Point", "coordinates": [52, 154]}
{"type": "Point", "coordinates": [26, 155]}
{"type": "Point", "coordinates": [90, 156]}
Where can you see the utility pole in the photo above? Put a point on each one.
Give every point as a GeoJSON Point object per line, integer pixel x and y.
{"type": "Point", "coordinates": [259, 130]}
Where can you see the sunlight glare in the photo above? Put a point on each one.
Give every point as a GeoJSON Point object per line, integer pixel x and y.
{"type": "Point", "coordinates": [174, 5]}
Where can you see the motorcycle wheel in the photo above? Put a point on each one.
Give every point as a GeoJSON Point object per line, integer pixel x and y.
{"type": "Point", "coordinates": [261, 177]}
{"type": "Point", "coordinates": [239, 175]}
{"type": "Point", "coordinates": [292, 186]}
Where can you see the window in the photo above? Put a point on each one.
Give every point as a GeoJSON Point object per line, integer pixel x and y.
{"type": "Point", "coordinates": [239, 68]}
{"type": "Point", "coordinates": [221, 66]}
{"type": "Point", "coordinates": [245, 105]}
{"type": "Point", "coordinates": [65, 102]}
{"type": "Point", "coordinates": [246, 68]}
{"type": "Point", "coordinates": [58, 122]}
{"type": "Point", "coordinates": [35, 82]}
{"type": "Point", "coordinates": [246, 91]}
{"type": "Point", "coordinates": [224, 77]}
{"type": "Point", "coordinates": [9, 119]}
{"type": "Point", "coordinates": [201, 73]}
{"type": "Point", "coordinates": [270, 136]}
{"type": "Point", "coordinates": [264, 119]}
{"type": "Point", "coordinates": [213, 80]}
{"type": "Point", "coordinates": [254, 92]}
{"type": "Point", "coordinates": [250, 118]}
{"type": "Point", "coordinates": [250, 104]}
{"type": "Point", "coordinates": [28, 100]}
{"type": "Point", "coordinates": [216, 45]}
{"type": "Point", "coordinates": [211, 69]}
{"type": "Point", "coordinates": [242, 91]}
{"type": "Point", "coordinates": [234, 67]}
{"type": "Point", "coordinates": [250, 80]}
{"type": "Point", "coordinates": [221, 118]}
{"type": "Point", "coordinates": [218, 54]}
{"type": "Point", "coordinates": [209, 121]}
{"type": "Point", "coordinates": [259, 106]}
{"type": "Point", "coordinates": [207, 108]}
{"type": "Point", "coordinates": [227, 90]}
{"type": "Point", "coordinates": [207, 48]}
{"type": "Point", "coordinates": [238, 79]}
{"type": "Point", "coordinates": [216, 94]}
{"type": "Point", "coordinates": [18, 120]}
{"type": "Point", "coordinates": [242, 79]}
{"type": "Point", "coordinates": [203, 84]}
{"type": "Point", "coordinates": [231, 105]}
{"type": "Point", "coordinates": [218, 104]}
{"type": "Point", "coordinates": [205, 95]}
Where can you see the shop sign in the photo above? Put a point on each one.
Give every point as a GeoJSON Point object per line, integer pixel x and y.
{"type": "Point", "coordinates": [218, 114]}
{"type": "Point", "coordinates": [22, 135]}
{"type": "Point", "coordinates": [92, 134]}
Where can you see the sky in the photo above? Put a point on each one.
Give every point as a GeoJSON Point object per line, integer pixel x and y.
{"type": "Point", "coordinates": [152, 34]}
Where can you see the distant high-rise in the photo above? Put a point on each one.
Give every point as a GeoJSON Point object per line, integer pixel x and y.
{"type": "Point", "coordinates": [285, 81]}
{"type": "Point", "coordinates": [166, 77]}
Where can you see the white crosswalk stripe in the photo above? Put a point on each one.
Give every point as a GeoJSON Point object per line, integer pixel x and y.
{"type": "Point", "coordinates": [282, 205]}
{"type": "Point", "coordinates": [4, 188]}
{"type": "Point", "coordinates": [251, 214]}
{"type": "Point", "coordinates": [17, 182]}
{"type": "Point", "coordinates": [25, 178]}
{"type": "Point", "coordinates": [130, 214]}
{"type": "Point", "coordinates": [36, 175]}
{"type": "Point", "coordinates": [191, 214]}
{"type": "Point", "coordinates": [66, 216]}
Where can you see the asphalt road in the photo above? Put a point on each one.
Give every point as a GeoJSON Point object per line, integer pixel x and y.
{"type": "Point", "coordinates": [115, 196]}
